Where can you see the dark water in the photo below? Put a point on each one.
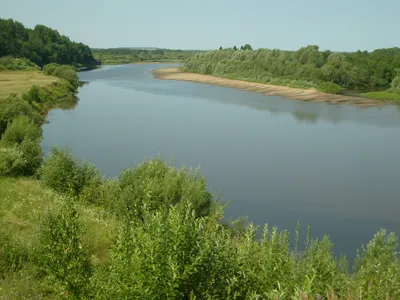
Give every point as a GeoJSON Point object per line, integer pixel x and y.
{"type": "Point", "coordinates": [336, 168]}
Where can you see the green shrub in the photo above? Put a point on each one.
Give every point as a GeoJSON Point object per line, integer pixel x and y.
{"type": "Point", "coordinates": [377, 268]}
{"type": "Point", "coordinates": [104, 193]}
{"type": "Point", "coordinates": [12, 63]}
{"type": "Point", "coordinates": [157, 185]}
{"type": "Point", "coordinates": [11, 161]}
{"type": "Point", "coordinates": [395, 85]}
{"type": "Point", "coordinates": [63, 173]}
{"type": "Point", "coordinates": [20, 160]}
{"type": "Point", "coordinates": [13, 107]}
{"type": "Point", "coordinates": [329, 87]}
{"type": "Point", "coordinates": [61, 255]}
{"type": "Point", "coordinates": [170, 256]}
{"type": "Point", "coordinates": [20, 129]}
{"type": "Point", "coordinates": [50, 68]}
{"type": "Point", "coordinates": [62, 71]}
{"type": "Point", "coordinates": [32, 156]}
{"type": "Point", "coordinates": [33, 95]}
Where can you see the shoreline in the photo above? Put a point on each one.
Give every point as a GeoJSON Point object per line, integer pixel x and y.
{"type": "Point", "coordinates": [288, 93]}
{"type": "Point", "coordinates": [142, 63]}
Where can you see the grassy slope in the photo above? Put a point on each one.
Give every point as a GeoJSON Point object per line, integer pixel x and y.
{"type": "Point", "coordinates": [23, 202]}
{"type": "Point", "coordinates": [19, 82]}
{"type": "Point", "coordinates": [383, 95]}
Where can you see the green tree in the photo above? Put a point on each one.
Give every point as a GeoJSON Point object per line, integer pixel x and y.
{"type": "Point", "coordinates": [247, 47]}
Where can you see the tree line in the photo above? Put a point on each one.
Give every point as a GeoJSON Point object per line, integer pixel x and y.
{"type": "Point", "coordinates": [129, 55]}
{"type": "Point", "coordinates": [306, 67]}
{"type": "Point", "coordinates": [42, 45]}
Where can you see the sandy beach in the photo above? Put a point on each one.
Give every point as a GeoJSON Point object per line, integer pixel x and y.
{"type": "Point", "coordinates": [311, 95]}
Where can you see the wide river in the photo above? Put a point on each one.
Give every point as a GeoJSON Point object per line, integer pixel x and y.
{"type": "Point", "coordinates": [334, 167]}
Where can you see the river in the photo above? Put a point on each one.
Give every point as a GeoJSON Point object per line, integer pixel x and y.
{"type": "Point", "coordinates": [333, 167]}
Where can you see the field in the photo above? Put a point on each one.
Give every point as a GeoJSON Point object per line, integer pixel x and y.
{"type": "Point", "coordinates": [19, 82]}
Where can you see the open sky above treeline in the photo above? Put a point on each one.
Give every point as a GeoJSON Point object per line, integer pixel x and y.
{"type": "Point", "coordinates": [339, 25]}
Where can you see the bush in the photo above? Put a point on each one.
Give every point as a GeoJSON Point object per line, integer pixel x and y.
{"type": "Point", "coordinates": [33, 95]}
{"type": "Point", "coordinates": [21, 128]}
{"type": "Point", "coordinates": [12, 63]}
{"type": "Point", "coordinates": [157, 185]}
{"type": "Point", "coordinates": [13, 107]}
{"type": "Point", "coordinates": [329, 87]}
{"type": "Point", "coordinates": [170, 256]}
{"type": "Point", "coordinates": [62, 71]}
{"type": "Point", "coordinates": [63, 173]}
{"type": "Point", "coordinates": [11, 161]}
{"type": "Point", "coordinates": [395, 85]}
{"type": "Point", "coordinates": [379, 257]}
{"type": "Point", "coordinates": [61, 254]}
{"type": "Point", "coordinates": [104, 193]}
{"type": "Point", "coordinates": [20, 160]}
{"type": "Point", "coordinates": [32, 156]}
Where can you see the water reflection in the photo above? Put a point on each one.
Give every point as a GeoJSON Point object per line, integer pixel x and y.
{"type": "Point", "coordinates": [305, 117]}
{"type": "Point", "coordinates": [139, 78]}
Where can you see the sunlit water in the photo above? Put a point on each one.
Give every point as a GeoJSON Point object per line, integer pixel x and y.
{"type": "Point", "coordinates": [336, 168]}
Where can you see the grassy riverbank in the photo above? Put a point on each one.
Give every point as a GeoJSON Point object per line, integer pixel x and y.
{"type": "Point", "coordinates": [383, 95]}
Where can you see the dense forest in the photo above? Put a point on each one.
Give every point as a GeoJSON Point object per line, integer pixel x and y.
{"type": "Point", "coordinates": [129, 55]}
{"type": "Point", "coordinates": [42, 45]}
{"type": "Point", "coordinates": [307, 67]}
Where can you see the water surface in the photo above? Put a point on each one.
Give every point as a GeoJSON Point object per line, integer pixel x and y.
{"type": "Point", "coordinates": [279, 161]}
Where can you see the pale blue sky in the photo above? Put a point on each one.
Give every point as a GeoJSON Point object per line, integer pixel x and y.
{"type": "Point", "coordinates": [342, 25]}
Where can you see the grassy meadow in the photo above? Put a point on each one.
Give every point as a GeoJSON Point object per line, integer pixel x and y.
{"type": "Point", "coordinates": [19, 82]}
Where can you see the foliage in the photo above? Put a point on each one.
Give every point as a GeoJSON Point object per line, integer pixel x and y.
{"type": "Point", "coordinates": [11, 161]}
{"type": "Point", "coordinates": [41, 45]}
{"type": "Point", "coordinates": [13, 107]}
{"type": "Point", "coordinates": [20, 151]}
{"type": "Point", "coordinates": [61, 172]}
{"type": "Point", "coordinates": [330, 87]}
{"type": "Point", "coordinates": [379, 257]}
{"type": "Point", "coordinates": [64, 72]}
{"type": "Point", "coordinates": [61, 253]}
{"type": "Point", "coordinates": [169, 256]}
{"type": "Point", "coordinates": [11, 63]}
{"type": "Point", "coordinates": [158, 186]}
{"type": "Point", "coordinates": [395, 85]}
{"type": "Point", "coordinates": [20, 129]}
{"type": "Point", "coordinates": [127, 55]}
{"type": "Point", "coordinates": [325, 70]}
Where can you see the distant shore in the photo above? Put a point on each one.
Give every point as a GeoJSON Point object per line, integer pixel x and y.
{"type": "Point", "coordinates": [310, 95]}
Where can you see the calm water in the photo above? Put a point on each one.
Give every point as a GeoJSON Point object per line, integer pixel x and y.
{"type": "Point", "coordinates": [336, 168]}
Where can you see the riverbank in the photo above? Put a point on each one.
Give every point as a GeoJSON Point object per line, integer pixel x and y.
{"type": "Point", "coordinates": [105, 63]}
{"type": "Point", "coordinates": [310, 95]}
